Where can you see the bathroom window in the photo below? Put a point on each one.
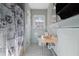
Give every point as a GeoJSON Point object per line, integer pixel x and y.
{"type": "Point", "coordinates": [39, 22]}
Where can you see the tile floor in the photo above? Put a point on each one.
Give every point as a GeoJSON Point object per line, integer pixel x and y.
{"type": "Point", "coordinates": [36, 50]}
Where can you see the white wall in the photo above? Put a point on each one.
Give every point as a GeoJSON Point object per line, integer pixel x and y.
{"type": "Point", "coordinates": [51, 15]}
{"type": "Point", "coordinates": [67, 32]}
{"type": "Point", "coordinates": [68, 42]}
{"type": "Point", "coordinates": [27, 26]}
{"type": "Point", "coordinates": [70, 22]}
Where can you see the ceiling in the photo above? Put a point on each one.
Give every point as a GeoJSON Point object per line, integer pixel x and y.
{"type": "Point", "coordinates": [38, 5]}
{"type": "Point", "coordinates": [64, 10]}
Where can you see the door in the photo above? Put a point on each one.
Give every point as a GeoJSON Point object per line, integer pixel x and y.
{"type": "Point", "coordinates": [38, 27]}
